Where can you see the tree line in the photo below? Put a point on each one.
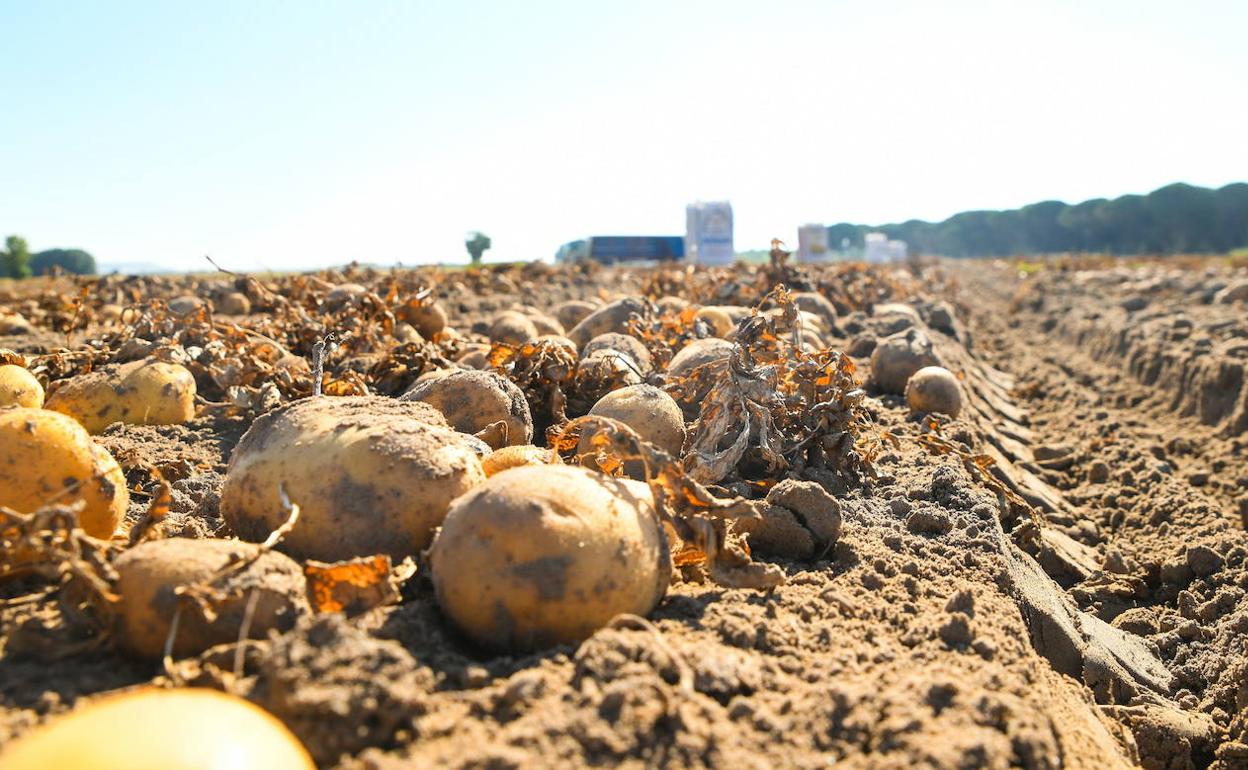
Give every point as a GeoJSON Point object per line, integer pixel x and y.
{"type": "Point", "coordinates": [16, 261]}
{"type": "Point", "coordinates": [1176, 219]}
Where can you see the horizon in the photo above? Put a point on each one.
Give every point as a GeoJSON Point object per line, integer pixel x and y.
{"type": "Point", "coordinates": [271, 139]}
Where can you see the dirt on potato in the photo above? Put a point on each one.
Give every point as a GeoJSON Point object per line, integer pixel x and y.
{"type": "Point", "coordinates": [1056, 578]}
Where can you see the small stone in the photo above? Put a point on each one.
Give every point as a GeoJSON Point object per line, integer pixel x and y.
{"type": "Point", "coordinates": [1098, 473]}
{"type": "Point", "coordinates": [900, 506]}
{"type": "Point", "coordinates": [928, 522]}
{"type": "Point", "coordinates": [1204, 560]}
{"type": "Point", "coordinates": [956, 632]}
{"type": "Point", "coordinates": [1198, 478]}
{"type": "Point", "coordinates": [1134, 303]}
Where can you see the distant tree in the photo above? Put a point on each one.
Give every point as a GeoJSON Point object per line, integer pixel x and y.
{"type": "Point", "coordinates": [477, 243]}
{"type": "Point", "coordinates": [74, 261]}
{"type": "Point", "coordinates": [16, 257]}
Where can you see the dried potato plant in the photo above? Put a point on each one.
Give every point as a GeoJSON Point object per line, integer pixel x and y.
{"type": "Point", "coordinates": [773, 409]}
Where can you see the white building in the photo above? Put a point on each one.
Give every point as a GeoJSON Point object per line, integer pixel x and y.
{"type": "Point", "coordinates": [875, 247]}
{"type": "Point", "coordinates": [708, 233]}
{"type": "Point", "coordinates": [812, 244]}
{"type": "Point", "coordinates": [898, 251]}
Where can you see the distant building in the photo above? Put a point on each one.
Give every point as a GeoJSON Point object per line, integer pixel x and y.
{"type": "Point", "coordinates": [812, 244]}
{"type": "Point", "coordinates": [878, 248]}
{"type": "Point", "coordinates": [708, 233]}
{"type": "Point", "coordinates": [607, 249]}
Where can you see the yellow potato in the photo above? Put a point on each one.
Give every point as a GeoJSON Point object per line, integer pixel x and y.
{"type": "Point", "coordinates": [428, 319]}
{"type": "Point", "coordinates": [652, 413]}
{"type": "Point", "coordinates": [46, 457]}
{"type": "Point", "coordinates": [515, 456]}
{"type": "Point", "coordinates": [149, 573]}
{"type": "Point", "coordinates": [545, 555]}
{"type": "Point", "coordinates": [153, 729]}
{"type": "Point", "coordinates": [513, 328]}
{"type": "Point", "coordinates": [146, 392]}
{"type": "Point", "coordinates": [371, 475]}
{"type": "Point", "coordinates": [934, 389]}
{"type": "Point", "coordinates": [473, 400]}
{"type": "Point", "coordinates": [612, 317]}
{"type": "Point", "coordinates": [19, 387]}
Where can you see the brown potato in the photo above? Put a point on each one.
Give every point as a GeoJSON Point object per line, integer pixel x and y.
{"type": "Point", "coordinates": [47, 457]}
{"type": "Point", "coordinates": [612, 317]}
{"type": "Point", "coordinates": [513, 328]}
{"type": "Point", "coordinates": [146, 392]}
{"type": "Point", "coordinates": [473, 400]}
{"type": "Point", "coordinates": [934, 389]}
{"type": "Point", "coordinates": [428, 319]}
{"type": "Point", "coordinates": [18, 387]}
{"type": "Point", "coordinates": [621, 343]}
{"type": "Point", "coordinates": [573, 311]}
{"type": "Point", "coordinates": [544, 555]}
{"type": "Point", "coordinates": [515, 456]}
{"type": "Point", "coordinates": [651, 412]}
{"type": "Point", "coordinates": [897, 357]}
{"type": "Point", "coordinates": [149, 573]}
{"type": "Point", "coordinates": [370, 474]}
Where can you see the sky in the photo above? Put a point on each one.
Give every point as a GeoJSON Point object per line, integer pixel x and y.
{"type": "Point", "coordinates": [287, 135]}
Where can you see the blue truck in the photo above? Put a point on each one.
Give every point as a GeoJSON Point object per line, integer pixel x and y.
{"type": "Point", "coordinates": [607, 249]}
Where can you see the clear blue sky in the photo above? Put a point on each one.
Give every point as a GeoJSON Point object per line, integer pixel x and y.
{"type": "Point", "coordinates": [289, 134]}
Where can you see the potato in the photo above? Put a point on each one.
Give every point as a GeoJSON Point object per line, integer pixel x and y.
{"type": "Point", "coordinates": [370, 474]}
{"type": "Point", "coordinates": [344, 294]}
{"type": "Point", "coordinates": [621, 343]}
{"type": "Point", "coordinates": [573, 311]}
{"type": "Point", "coordinates": [47, 457]}
{"type": "Point", "coordinates": [692, 356]}
{"type": "Point", "coordinates": [897, 357]}
{"type": "Point", "coordinates": [599, 374]}
{"type": "Point", "coordinates": [718, 319]}
{"type": "Point", "coordinates": [544, 555]}
{"type": "Point", "coordinates": [233, 303]}
{"type": "Point", "coordinates": [160, 729]}
{"type": "Point", "coordinates": [472, 400]}
{"type": "Point", "coordinates": [545, 324]}
{"type": "Point", "coordinates": [149, 573]}
{"type": "Point", "coordinates": [145, 392]}
{"type": "Point", "coordinates": [652, 413]}
{"type": "Point", "coordinates": [186, 305]}
{"type": "Point", "coordinates": [514, 456]}
{"type": "Point", "coordinates": [19, 387]}
{"type": "Point", "coordinates": [428, 319]}
{"type": "Point", "coordinates": [934, 389]}
{"type": "Point", "coordinates": [612, 317]}
{"type": "Point", "coordinates": [816, 303]}
{"type": "Point", "coordinates": [513, 328]}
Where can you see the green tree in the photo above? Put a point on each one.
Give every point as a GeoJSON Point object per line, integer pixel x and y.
{"type": "Point", "coordinates": [16, 257]}
{"type": "Point", "coordinates": [74, 261]}
{"type": "Point", "coordinates": [477, 243]}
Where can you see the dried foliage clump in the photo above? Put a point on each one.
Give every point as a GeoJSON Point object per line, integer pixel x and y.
{"type": "Point", "coordinates": [544, 370]}
{"type": "Point", "coordinates": [773, 408]}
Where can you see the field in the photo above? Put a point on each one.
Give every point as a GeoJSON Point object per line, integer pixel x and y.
{"type": "Point", "coordinates": [1054, 577]}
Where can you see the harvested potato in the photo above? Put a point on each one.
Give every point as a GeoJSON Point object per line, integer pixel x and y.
{"type": "Point", "coordinates": [18, 387]}
{"type": "Point", "coordinates": [717, 319]}
{"type": "Point", "coordinates": [47, 457]}
{"type": "Point", "coordinates": [149, 573]}
{"type": "Point", "coordinates": [345, 293]}
{"type": "Point", "coordinates": [473, 400]}
{"type": "Point", "coordinates": [406, 333]}
{"type": "Point", "coordinates": [545, 324]}
{"type": "Point", "coordinates": [514, 456]}
{"type": "Point", "coordinates": [573, 311]}
{"type": "Point", "coordinates": [819, 305]}
{"type": "Point", "coordinates": [598, 375]}
{"type": "Point", "coordinates": [621, 343]}
{"type": "Point", "coordinates": [186, 305]}
{"type": "Point", "coordinates": [692, 356]}
{"type": "Point", "coordinates": [934, 389]}
{"type": "Point", "coordinates": [651, 412]}
{"type": "Point", "coordinates": [513, 328]}
{"type": "Point", "coordinates": [370, 474]}
{"type": "Point", "coordinates": [897, 357]}
{"type": "Point", "coordinates": [163, 729]}
{"type": "Point", "coordinates": [143, 392]}
{"type": "Point", "coordinates": [428, 319]}
{"type": "Point", "coordinates": [545, 555]}
{"type": "Point", "coordinates": [612, 317]}
{"type": "Point", "coordinates": [233, 303]}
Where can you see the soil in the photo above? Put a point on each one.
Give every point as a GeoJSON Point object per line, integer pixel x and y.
{"type": "Point", "coordinates": [1078, 604]}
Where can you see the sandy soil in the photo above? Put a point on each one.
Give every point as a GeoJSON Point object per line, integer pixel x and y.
{"type": "Point", "coordinates": [1078, 604]}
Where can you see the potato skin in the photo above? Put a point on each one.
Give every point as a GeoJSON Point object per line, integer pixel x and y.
{"type": "Point", "coordinates": [934, 389]}
{"type": "Point", "coordinates": [651, 412]}
{"type": "Point", "coordinates": [612, 317]}
{"type": "Point", "coordinates": [513, 328]}
{"type": "Point", "coordinates": [43, 453]}
{"type": "Point", "coordinates": [544, 555]}
{"type": "Point", "coordinates": [899, 356]}
{"type": "Point", "coordinates": [146, 392]}
{"type": "Point", "coordinates": [471, 400]}
{"type": "Point", "coordinates": [621, 343]}
{"type": "Point", "coordinates": [19, 387]}
{"type": "Point", "coordinates": [370, 475]}
{"type": "Point", "coordinates": [515, 456]}
{"type": "Point", "coordinates": [573, 311]}
{"type": "Point", "coordinates": [206, 728]}
{"type": "Point", "coordinates": [149, 573]}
